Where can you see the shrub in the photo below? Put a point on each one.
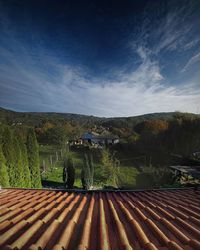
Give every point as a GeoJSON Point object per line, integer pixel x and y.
{"type": "Point", "coordinates": [110, 166]}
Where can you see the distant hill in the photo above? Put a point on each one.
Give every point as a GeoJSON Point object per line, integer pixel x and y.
{"type": "Point", "coordinates": [36, 118]}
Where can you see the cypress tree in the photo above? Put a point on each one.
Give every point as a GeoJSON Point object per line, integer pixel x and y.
{"type": "Point", "coordinates": [33, 159]}
{"type": "Point", "coordinates": [26, 172]}
{"type": "Point", "coordinates": [4, 178]}
{"type": "Point", "coordinates": [69, 171]}
{"type": "Point", "coordinates": [18, 166]}
{"type": "Point", "coordinates": [87, 173]}
{"type": "Point", "coordinates": [8, 151]}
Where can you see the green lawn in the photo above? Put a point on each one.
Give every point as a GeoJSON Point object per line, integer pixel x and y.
{"type": "Point", "coordinates": [128, 176]}
{"type": "Point", "coordinates": [54, 172]}
{"type": "Point", "coordinates": [131, 175]}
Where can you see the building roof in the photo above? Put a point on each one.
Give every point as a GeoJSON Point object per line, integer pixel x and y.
{"type": "Point", "coordinates": [44, 219]}
{"type": "Point", "coordinates": [103, 136]}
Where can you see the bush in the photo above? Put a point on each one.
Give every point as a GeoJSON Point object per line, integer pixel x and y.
{"type": "Point", "coordinates": [110, 166]}
{"type": "Point", "coordinates": [154, 177]}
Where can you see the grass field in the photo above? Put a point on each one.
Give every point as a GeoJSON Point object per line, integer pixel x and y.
{"type": "Point", "coordinates": [54, 171]}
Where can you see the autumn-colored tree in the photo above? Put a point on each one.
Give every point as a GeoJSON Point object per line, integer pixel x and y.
{"type": "Point", "coordinates": [152, 126]}
{"type": "Point", "coordinates": [47, 125]}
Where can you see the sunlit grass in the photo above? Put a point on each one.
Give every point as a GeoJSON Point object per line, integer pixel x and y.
{"type": "Point", "coordinates": [127, 174]}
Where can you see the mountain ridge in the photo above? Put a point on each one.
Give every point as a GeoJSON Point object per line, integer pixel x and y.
{"type": "Point", "coordinates": [33, 118]}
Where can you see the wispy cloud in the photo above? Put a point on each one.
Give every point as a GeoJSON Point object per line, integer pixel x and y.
{"type": "Point", "coordinates": [28, 87]}
{"type": "Point", "coordinates": [177, 30]}
{"type": "Point", "coordinates": [194, 59]}
{"type": "Point", "coordinates": [191, 44]}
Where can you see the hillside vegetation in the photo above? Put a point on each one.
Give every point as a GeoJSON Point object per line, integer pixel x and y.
{"type": "Point", "coordinates": [140, 160]}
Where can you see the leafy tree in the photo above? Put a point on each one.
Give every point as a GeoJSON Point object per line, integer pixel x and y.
{"type": "Point", "coordinates": [110, 167]}
{"type": "Point", "coordinates": [183, 136]}
{"type": "Point", "coordinates": [133, 137]}
{"type": "Point", "coordinates": [69, 172]}
{"type": "Point", "coordinates": [56, 135]}
{"type": "Point", "coordinates": [4, 178]}
{"type": "Point", "coordinates": [33, 159]}
{"type": "Point", "coordinates": [8, 151]}
{"type": "Point", "coordinates": [87, 173]}
{"type": "Point", "coordinates": [47, 125]}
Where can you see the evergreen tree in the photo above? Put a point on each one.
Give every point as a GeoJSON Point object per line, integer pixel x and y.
{"type": "Point", "coordinates": [4, 178]}
{"type": "Point", "coordinates": [69, 172]}
{"type": "Point", "coordinates": [18, 167]}
{"type": "Point", "coordinates": [25, 165]}
{"type": "Point", "coordinates": [8, 151]}
{"type": "Point", "coordinates": [33, 159]}
{"type": "Point", "coordinates": [87, 173]}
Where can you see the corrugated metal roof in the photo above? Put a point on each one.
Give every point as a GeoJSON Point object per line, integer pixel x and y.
{"type": "Point", "coordinates": [43, 219]}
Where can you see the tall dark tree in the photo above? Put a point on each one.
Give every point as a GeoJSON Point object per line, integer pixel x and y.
{"type": "Point", "coordinates": [8, 151]}
{"type": "Point", "coordinates": [69, 172]}
{"type": "Point", "coordinates": [4, 178]}
{"type": "Point", "coordinates": [33, 159]}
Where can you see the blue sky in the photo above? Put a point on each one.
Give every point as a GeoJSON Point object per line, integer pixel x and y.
{"type": "Point", "coordinates": [103, 58]}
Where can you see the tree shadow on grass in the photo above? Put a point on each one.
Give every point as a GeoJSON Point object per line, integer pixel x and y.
{"type": "Point", "coordinates": [53, 184]}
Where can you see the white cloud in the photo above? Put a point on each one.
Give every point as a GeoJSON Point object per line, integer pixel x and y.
{"type": "Point", "coordinates": [144, 90]}
{"type": "Point", "coordinates": [194, 59]}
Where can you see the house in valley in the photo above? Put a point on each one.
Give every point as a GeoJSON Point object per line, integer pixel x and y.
{"type": "Point", "coordinates": [94, 138]}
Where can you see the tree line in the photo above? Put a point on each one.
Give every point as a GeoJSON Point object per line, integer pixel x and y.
{"type": "Point", "coordinates": [19, 158]}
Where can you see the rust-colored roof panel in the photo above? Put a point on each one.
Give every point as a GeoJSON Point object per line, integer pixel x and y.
{"type": "Point", "coordinates": [44, 219]}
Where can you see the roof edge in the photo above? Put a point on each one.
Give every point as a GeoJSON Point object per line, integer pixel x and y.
{"type": "Point", "coordinates": [99, 190]}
